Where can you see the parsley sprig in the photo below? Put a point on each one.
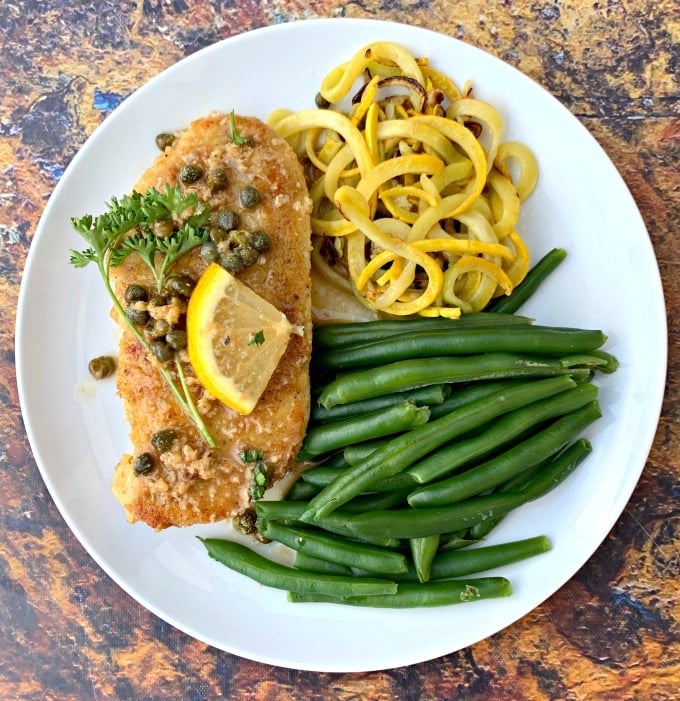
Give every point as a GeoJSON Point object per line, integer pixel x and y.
{"type": "Point", "coordinates": [111, 241]}
{"type": "Point", "coordinates": [126, 228]}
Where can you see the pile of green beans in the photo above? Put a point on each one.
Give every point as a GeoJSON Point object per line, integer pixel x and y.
{"type": "Point", "coordinates": [425, 434]}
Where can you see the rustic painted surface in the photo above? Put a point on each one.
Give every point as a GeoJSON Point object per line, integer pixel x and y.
{"type": "Point", "coordinates": [66, 631]}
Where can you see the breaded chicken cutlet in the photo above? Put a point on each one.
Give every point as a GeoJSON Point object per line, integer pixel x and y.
{"type": "Point", "coordinates": [192, 483]}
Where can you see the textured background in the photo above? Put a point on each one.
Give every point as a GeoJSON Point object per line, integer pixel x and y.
{"type": "Point", "coordinates": [68, 632]}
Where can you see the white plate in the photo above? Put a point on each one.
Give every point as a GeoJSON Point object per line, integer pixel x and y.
{"type": "Point", "coordinates": [610, 280]}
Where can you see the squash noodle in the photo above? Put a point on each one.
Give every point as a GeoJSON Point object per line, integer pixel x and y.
{"type": "Point", "coordinates": [415, 194]}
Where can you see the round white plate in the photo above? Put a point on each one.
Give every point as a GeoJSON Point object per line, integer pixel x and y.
{"type": "Point", "coordinates": [76, 428]}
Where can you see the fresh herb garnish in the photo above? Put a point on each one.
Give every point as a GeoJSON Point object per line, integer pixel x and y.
{"type": "Point", "coordinates": [126, 228]}
{"type": "Point", "coordinates": [251, 455]}
{"type": "Point", "coordinates": [236, 138]}
{"type": "Point", "coordinates": [257, 339]}
{"type": "Point", "coordinates": [258, 486]}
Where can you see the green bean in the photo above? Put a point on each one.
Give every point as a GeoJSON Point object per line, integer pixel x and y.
{"type": "Point", "coordinates": [610, 362]}
{"type": "Point", "coordinates": [447, 564]}
{"type": "Point", "coordinates": [400, 481]}
{"type": "Point", "coordinates": [540, 446]}
{"type": "Point", "coordinates": [291, 511]}
{"type": "Point", "coordinates": [359, 451]}
{"type": "Point", "coordinates": [528, 286]}
{"type": "Point", "coordinates": [323, 476]}
{"type": "Point", "coordinates": [536, 482]}
{"type": "Point", "coordinates": [501, 432]}
{"type": "Point", "coordinates": [519, 482]}
{"type": "Point", "coordinates": [430, 520]}
{"type": "Point", "coordinates": [411, 595]}
{"type": "Point", "coordinates": [557, 471]}
{"type": "Point", "coordinates": [335, 549]}
{"type": "Point", "coordinates": [469, 393]}
{"type": "Point", "coordinates": [403, 450]}
{"type": "Point", "coordinates": [377, 500]}
{"type": "Point", "coordinates": [423, 551]}
{"type": "Point", "coordinates": [272, 574]}
{"type": "Point", "coordinates": [536, 340]}
{"type": "Point", "coordinates": [516, 484]}
{"type": "Point", "coordinates": [306, 562]}
{"type": "Point", "coordinates": [589, 360]}
{"type": "Point", "coordinates": [422, 396]}
{"type": "Point", "coordinates": [301, 491]}
{"type": "Point", "coordinates": [336, 461]}
{"type": "Point", "coordinates": [352, 333]}
{"type": "Point", "coordinates": [407, 374]}
{"type": "Point", "coordinates": [326, 438]}
{"type": "Point", "coordinates": [455, 541]}
{"type": "Point", "coordinates": [460, 563]}
{"type": "Point", "coordinates": [275, 510]}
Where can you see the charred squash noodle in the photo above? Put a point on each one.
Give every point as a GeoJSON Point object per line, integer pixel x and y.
{"type": "Point", "coordinates": [416, 195]}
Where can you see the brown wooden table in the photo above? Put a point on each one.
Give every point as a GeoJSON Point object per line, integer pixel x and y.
{"type": "Point", "coordinates": [66, 630]}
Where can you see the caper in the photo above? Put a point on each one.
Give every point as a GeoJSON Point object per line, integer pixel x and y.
{"type": "Point", "coordinates": [181, 285]}
{"type": "Point", "coordinates": [249, 196]}
{"type": "Point", "coordinates": [164, 139]}
{"type": "Point", "coordinates": [226, 219]}
{"type": "Point", "coordinates": [136, 293]}
{"type": "Point", "coordinates": [163, 228]}
{"type": "Point", "coordinates": [218, 235]}
{"type": "Point", "coordinates": [156, 328]}
{"type": "Point", "coordinates": [238, 237]}
{"type": "Point", "coordinates": [247, 254]}
{"type": "Point", "coordinates": [176, 339]}
{"type": "Point", "coordinates": [143, 464]}
{"type": "Point", "coordinates": [232, 262]}
{"type": "Point", "coordinates": [209, 252]}
{"type": "Point", "coordinates": [101, 367]}
{"type": "Point", "coordinates": [321, 102]}
{"type": "Point", "coordinates": [138, 317]}
{"type": "Point", "coordinates": [190, 173]}
{"type": "Point", "coordinates": [158, 300]}
{"type": "Point", "coordinates": [161, 326]}
{"type": "Point", "coordinates": [162, 440]}
{"type": "Point", "coordinates": [260, 241]}
{"type": "Point", "coordinates": [217, 178]}
{"type": "Point", "coordinates": [245, 522]}
{"type": "Point", "coordinates": [161, 351]}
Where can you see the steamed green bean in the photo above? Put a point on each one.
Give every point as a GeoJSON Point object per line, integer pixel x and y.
{"type": "Point", "coordinates": [410, 595]}
{"type": "Point", "coordinates": [543, 341]}
{"type": "Point", "coordinates": [273, 574]}
{"type": "Point", "coordinates": [502, 432]}
{"type": "Point", "coordinates": [508, 464]}
{"type": "Point", "coordinates": [402, 451]}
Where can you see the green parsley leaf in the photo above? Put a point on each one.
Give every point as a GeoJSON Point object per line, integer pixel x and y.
{"type": "Point", "coordinates": [251, 455]}
{"type": "Point", "coordinates": [126, 227]}
{"type": "Point", "coordinates": [258, 485]}
{"type": "Point", "coordinates": [256, 339]}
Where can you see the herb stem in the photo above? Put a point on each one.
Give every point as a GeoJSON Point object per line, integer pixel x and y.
{"type": "Point", "coordinates": [111, 243]}
{"type": "Point", "coordinates": [191, 406]}
{"type": "Point", "coordinates": [183, 398]}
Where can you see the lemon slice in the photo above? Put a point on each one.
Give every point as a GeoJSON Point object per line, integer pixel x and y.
{"type": "Point", "coordinates": [235, 338]}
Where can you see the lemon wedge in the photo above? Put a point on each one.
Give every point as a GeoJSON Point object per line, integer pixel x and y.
{"type": "Point", "coordinates": [235, 338]}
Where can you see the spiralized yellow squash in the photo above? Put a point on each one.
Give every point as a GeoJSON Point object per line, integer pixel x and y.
{"type": "Point", "coordinates": [416, 197]}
